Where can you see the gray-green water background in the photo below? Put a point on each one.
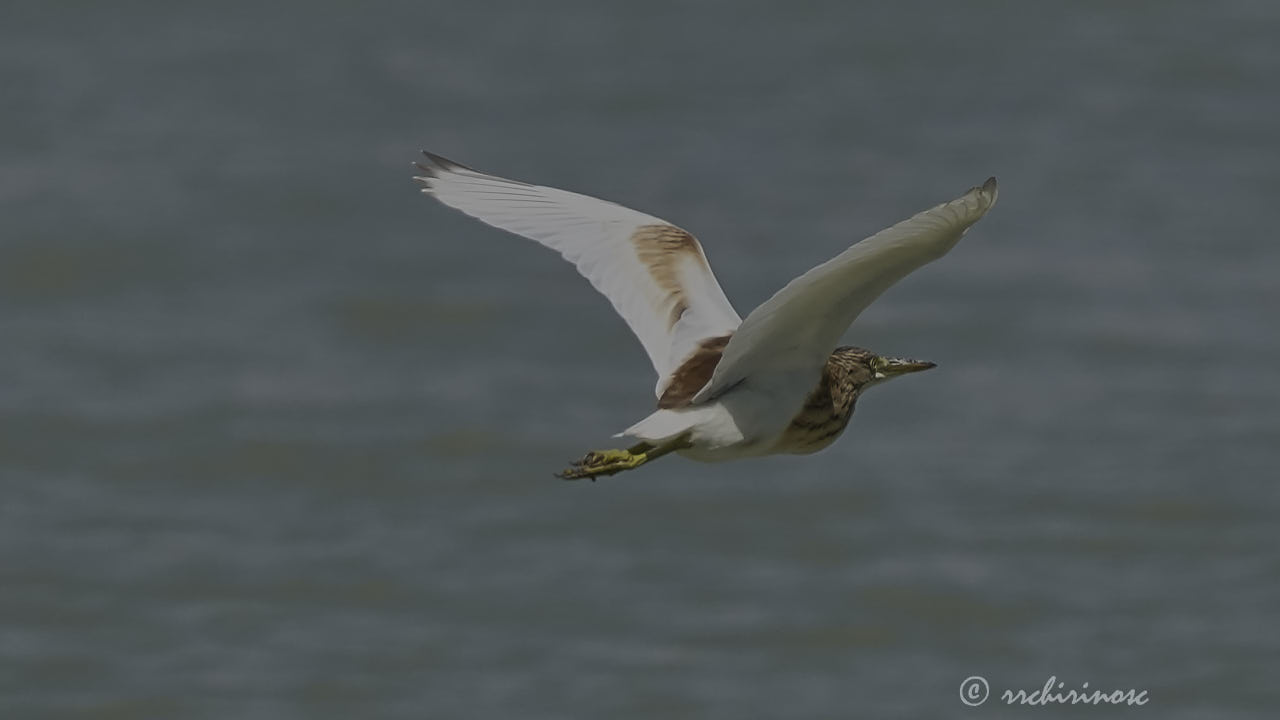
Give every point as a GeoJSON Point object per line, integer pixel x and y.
{"type": "Point", "coordinates": [277, 432]}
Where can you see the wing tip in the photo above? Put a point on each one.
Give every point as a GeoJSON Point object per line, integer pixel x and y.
{"type": "Point", "coordinates": [438, 167]}
{"type": "Point", "coordinates": [435, 165]}
{"type": "Point", "coordinates": [989, 190]}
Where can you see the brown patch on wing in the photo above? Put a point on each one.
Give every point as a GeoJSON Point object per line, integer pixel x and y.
{"type": "Point", "coordinates": [661, 248]}
{"type": "Point", "coordinates": [694, 373]}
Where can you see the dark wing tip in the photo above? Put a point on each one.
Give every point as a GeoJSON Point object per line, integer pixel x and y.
{"type": "Point", "coordinates": [428, 174]}
{"type": "Point", "coordinates": [987, 192]}
{"type": "Point", "coordinates": [436, 165]}
{"type": "Point", "coordinates": [432, 166]}
{"type": "Point", "coordinates": [991, 191]}
{"type": "Point", "coordinates": [440, 163]}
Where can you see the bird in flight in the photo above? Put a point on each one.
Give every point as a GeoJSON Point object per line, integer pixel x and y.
{"type": "Point", "coordinates": [727, 388]}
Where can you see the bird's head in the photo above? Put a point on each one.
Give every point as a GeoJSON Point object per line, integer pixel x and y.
{"type": "Point", "coordinates": [866, 368]}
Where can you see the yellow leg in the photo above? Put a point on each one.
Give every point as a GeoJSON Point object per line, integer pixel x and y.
{"type": "Point", "coordinates": [607, 462]}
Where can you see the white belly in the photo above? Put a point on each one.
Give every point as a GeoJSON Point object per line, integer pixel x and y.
{"type": "Point", "coordinates": [745, 422]}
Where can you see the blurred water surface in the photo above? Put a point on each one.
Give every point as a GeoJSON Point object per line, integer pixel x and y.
{"type": "Point", "coordinates": [277, 434]}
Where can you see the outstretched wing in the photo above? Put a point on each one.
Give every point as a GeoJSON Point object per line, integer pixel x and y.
{"type": "Point", "coordinates": [797, 328]}
{"type": "Point", "coordinates": [654, 273]}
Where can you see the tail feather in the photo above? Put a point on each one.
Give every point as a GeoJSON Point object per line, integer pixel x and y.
{"type": "Point", "coordinates": [661, 425]}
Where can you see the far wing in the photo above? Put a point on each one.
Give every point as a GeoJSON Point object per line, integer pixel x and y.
{"type": "Point", "coordinates": [655, 274]}
{"type": "Point", "coordinates": [799, 326]}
